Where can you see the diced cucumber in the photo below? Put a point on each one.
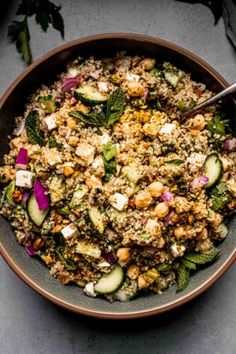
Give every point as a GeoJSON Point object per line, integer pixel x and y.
{"type": "Point", "coordinates": [90, 95]}
{"type": "Point", "coordinates": [173, 78]}
{"type": "Point", "coordinates": [213, 169]}
{"type": "Point", "coordinates": [36, 215]}
{"type": "Point", "coordinates": [47, 103]}
{"type": "Point", "coordinates": [78, 196]}
{"type": "Point", "coordinates": [9, 192]}
{"type": "Point", "coordinates": [57, 189]}
{"type": "Point", "coordinates": [96, 218]}
{"type": "Point", "coordinates": [111, 282]}
{"type": "Point", "coordinates": [132, 173]}
{"type": "Point", "coordinates": [88, 249]}
{"type": "Point", "coordinates": [64, 211]}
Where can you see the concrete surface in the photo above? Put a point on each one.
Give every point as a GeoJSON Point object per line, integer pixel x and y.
{"type": "Point", "coordinates": [30, 324]}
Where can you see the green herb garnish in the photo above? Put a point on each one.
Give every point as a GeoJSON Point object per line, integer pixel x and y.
{"type": "Point", "coordinates": [176, 162]}
{"type": "Point", "coordinates": [109, 151]}
{"type": "Point", "coordinates": [47, 103]}
{"type": "Point", "coordinates": [217, 125]}
{"type": "Point", "coordinates": [183, 278]}
{"type": "Point", "coordinates": [110, 168]}
{"type": "Point", "coordinates": [188, 264]}
{"type": "Point", "coordinates": [204, 257]}
{"type": "Point", "coordinates": [220, 196]}
{"type": "Point", "coordinates": [52, 143]}
{"type": "Point", "coordinates": [32, 127]}
{"type": "Point", "coordinates": [163, 267]}
{"type": "Point", "coordinates": [181, 105]}
{"type": "Point", "coordinates": [97, 119]}
{"type": "Point", "coordinates": [69, 265]}
{"type": "Point", "coordinates": [115, 106]}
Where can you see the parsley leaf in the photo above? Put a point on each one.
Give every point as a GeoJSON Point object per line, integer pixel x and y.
{"type": "Point", "coordinates": [109, 151]}
{"type": "Point", "coordinates": [220, 196]}
{"type": "Point", "coordinates": [217, 125]}
{"type": "Point", "coordinates": [19, 33]}
{"type": "Point", "coordinates": [110, 168]}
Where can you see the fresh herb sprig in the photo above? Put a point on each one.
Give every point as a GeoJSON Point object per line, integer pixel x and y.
{"type": "Point", "coordinates": [46, 13]}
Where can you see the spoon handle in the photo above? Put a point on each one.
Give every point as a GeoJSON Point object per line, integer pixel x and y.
{"type": "Point", "coordinates": [228, 91]}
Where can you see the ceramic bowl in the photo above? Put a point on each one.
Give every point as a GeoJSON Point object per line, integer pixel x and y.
{"type": "Point", "coordinates": [31, 270]}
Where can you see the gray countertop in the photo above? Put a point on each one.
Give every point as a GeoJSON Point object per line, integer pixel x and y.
{"type": "Point", "coordinates": [29, 323]}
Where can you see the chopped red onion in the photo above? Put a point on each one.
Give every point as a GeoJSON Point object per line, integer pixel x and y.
{"type": "Point", "coordinates": [167, 197]}
{"type": "Point", "coordinates": [109, 257]}
{"type": "Point", "coordinates": [69, 83]}
{"type": "Point", "coordinates": [30, 250]}
{"type": "Point", "coordinates": [229, 144]}
{"type": "Point", "coordinates": [199, 182]}
{"type": "Point", "coordinates": [25, 198]}
{"type": "Point", "coordinates": [22, 159]}
{"type": "Point", "coordinates": [168, 219]}
{"type": "Point", "coordinates": [95, 74]}
{"type": "Point", "coordinates": [41, 195]}
{"type": "Point", "coordinates": [145, 96]}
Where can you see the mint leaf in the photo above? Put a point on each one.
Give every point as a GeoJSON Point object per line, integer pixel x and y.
{"type": "Point", "coordinates": [115, 106]}
{"type": "Point", "coordinates": [163, 267]}
{"type": "Point", "coordinates": [97, 119]}
{"type": "Point", "coordinates": [176, 162]}
{"type": "Point", "coordinates": [110, 168]}
{"type": "Point", "coordinates": [220, 196]}
{"type": "Point", "coordinates": [217, 125]}
{"type": "Point", "coordinates": [19, 33]}
{"type": "Point", "coordinates": [188, 264]}
{"type": "Point", "coordinates": [109, 151]}
{"type": "Point", "coordinates": [183, 278]}
{"type": "Point", "coordinates": [32, 127]}
{"type": "Point", "coordinates": [204, 257]}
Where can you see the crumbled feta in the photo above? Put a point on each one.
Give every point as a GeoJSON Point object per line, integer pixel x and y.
{"type": "Point", "coordinates": [177, 250]}
{"type": "Point", "coordinates": [167, 128]}
{"type": "Point", "coordinates": [24, 179]}
{"type": "Point", "coordinates": [69, 231]}
{"type": "Point", "coordinates": [103, 264]}
{"type": "Point", "coordinates": [89, 289]}
{"type": "Point", "coordinates": [119, 201]}
{"type": "Point", "coordinates": [196, 159]}
{"type": "Point", "coordinates": [85, 152]}
{"type": "Point", "coordinates": [98, 162]}
{"type": "Point", "coordinates": [105, 138]}
{"type": "Point", "coordinates": [132, 77]}
{"type": "Point", "coordinates": [73, 72]}
{"type": "Point", "coordinates": [50, 122]}
{"type": "Point", "coordinates": [102, 86]}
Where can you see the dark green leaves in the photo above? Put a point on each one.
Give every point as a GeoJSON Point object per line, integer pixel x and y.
{"type": "Point", "coordinates": [217, 125]}
{"type": "Point", "coordinates": [19, 33]}
{"type": "Point", "coordinates": [188, 264]}
{"type": "Point", "coordinates": [183, 278]}
{"type": "Point", "coordinates": [45, 12]}
{"type": "Point", "coordinates": [176, 162]}
{"type": "Point", "coordinates": [115, 106]}
{"type": "Point", "coordinates": [203, 258]}
{"type": "Point", "coordinates": [109, 151]}
{"type": "Point", "coordinates": [163, 267]}
{"type": "Point", "coordinates": [69, 265]}
{"type": "Point", "coordinates": [97, 119]}
{"type": "Point", "coordinates": [32, 127]}
{"type": "Point", "coordinates": [114, 109]}
{"type": "Point", "coordinates": [220, 196]}
{"type": "Point", "coordinates": [52, 143]}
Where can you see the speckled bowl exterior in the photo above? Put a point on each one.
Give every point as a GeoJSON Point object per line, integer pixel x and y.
{"type": "Point", "coordinates": [31, 270]}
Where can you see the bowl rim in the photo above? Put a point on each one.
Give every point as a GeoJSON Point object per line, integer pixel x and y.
{"type": "Point", "coordinates": [76, 308]}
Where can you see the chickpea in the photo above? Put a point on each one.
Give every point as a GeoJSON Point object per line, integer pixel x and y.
{"type": "Point", "coordinates": [47, 259]}
{"type": "Point", "coordinates": [143, 199]}
{"type": "Point", "coordinates": [135, 89]}
{"type": "Point", "coordinates": [133, 271]}
{"type": "Point", "coordinates": [73, 141]}
{"type": "Point", "coordinates": [93, 182]}
{"type": "Point", "coordinates": [148, 63]}
{"type": "Point", "coordinates": [123, 254]}
{"type": "Point", "coordinates": [161, 210]}
{"type": "Point", "coordinates": [153, 227]}
{"type": "Point", "coordinates": [182, 205]}
{"type": "Point", "coordinates": [199, 122]}
{"type": "Point", "coordinates": [68, 171]}
{"type": "Point", "coordinates": [38, 243]}
{"type": "Point", "coordinates": [203, 234]}
{"type": "Point", "coordinates": [156, 189]}
{"type": "Point", "coordinates": [179, 232]}
{"type": "Point", "coordinates": [215, 220]}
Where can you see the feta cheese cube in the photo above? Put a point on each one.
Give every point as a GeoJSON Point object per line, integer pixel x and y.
{"type": "Point", "coordinates": [177, 250]}
{"type": "Point", "coordinates": [69, 231]}
{"type": "Point", "coordinates": [167, 128]}
{"type": "Point", "coordinates": [85, 152]}
{"type": "Point", "coordinates": [73, 72]}
{"type": "Point", "coordinates": [89, 289]}
{"type": "Point", "coordinates": [105, 138]}
{"type": "Point", "coordinates": [50, 122]}
{"type": "Point", "coordinates": [119, 201]}
{"type": "Point", "coordinates": [132, 77]}
{"type": "Point", "coordinates": [24, 179]}
{"type": "Point", "coordinates": [103, 264]}
{"type": "Point", "coordinates": [102, 86]}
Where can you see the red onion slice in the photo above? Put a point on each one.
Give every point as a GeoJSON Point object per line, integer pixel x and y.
{"type": "Point", "coordinates": [41, 195]}
{"type": "Point", "coordinates": [22, 159]}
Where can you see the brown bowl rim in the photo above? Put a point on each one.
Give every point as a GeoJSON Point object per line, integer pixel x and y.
{"type": "Point", "coordinates": [77, 309]}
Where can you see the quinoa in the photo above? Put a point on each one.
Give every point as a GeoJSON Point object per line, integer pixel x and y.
{"type": "Point", "coordinates": [126, 184]}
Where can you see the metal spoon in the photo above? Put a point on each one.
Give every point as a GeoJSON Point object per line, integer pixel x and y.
{"type": "Point", "coordinates": [189, 112]}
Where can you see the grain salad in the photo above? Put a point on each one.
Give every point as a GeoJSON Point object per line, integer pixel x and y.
{"type": "Point", "coordinates": [105, 185]}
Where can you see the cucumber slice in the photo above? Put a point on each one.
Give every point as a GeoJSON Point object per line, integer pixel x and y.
{"type": "Point", "coordinates": [213, 168]}
{"type": "Point", "coordinates": [78, 196]}
{"type": "Point", "coordinates": [96, 218]}
{"type": "Point", "coordinates": [36, 215]}
{"type": "Point", "coordinates": [9, 192]}
{"type": "Point", "coordinates": [132, 173]}
{"type": "Point", "coordinates": [90, 95]}
{"type": "Point", "coordinates": [111, 282]}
